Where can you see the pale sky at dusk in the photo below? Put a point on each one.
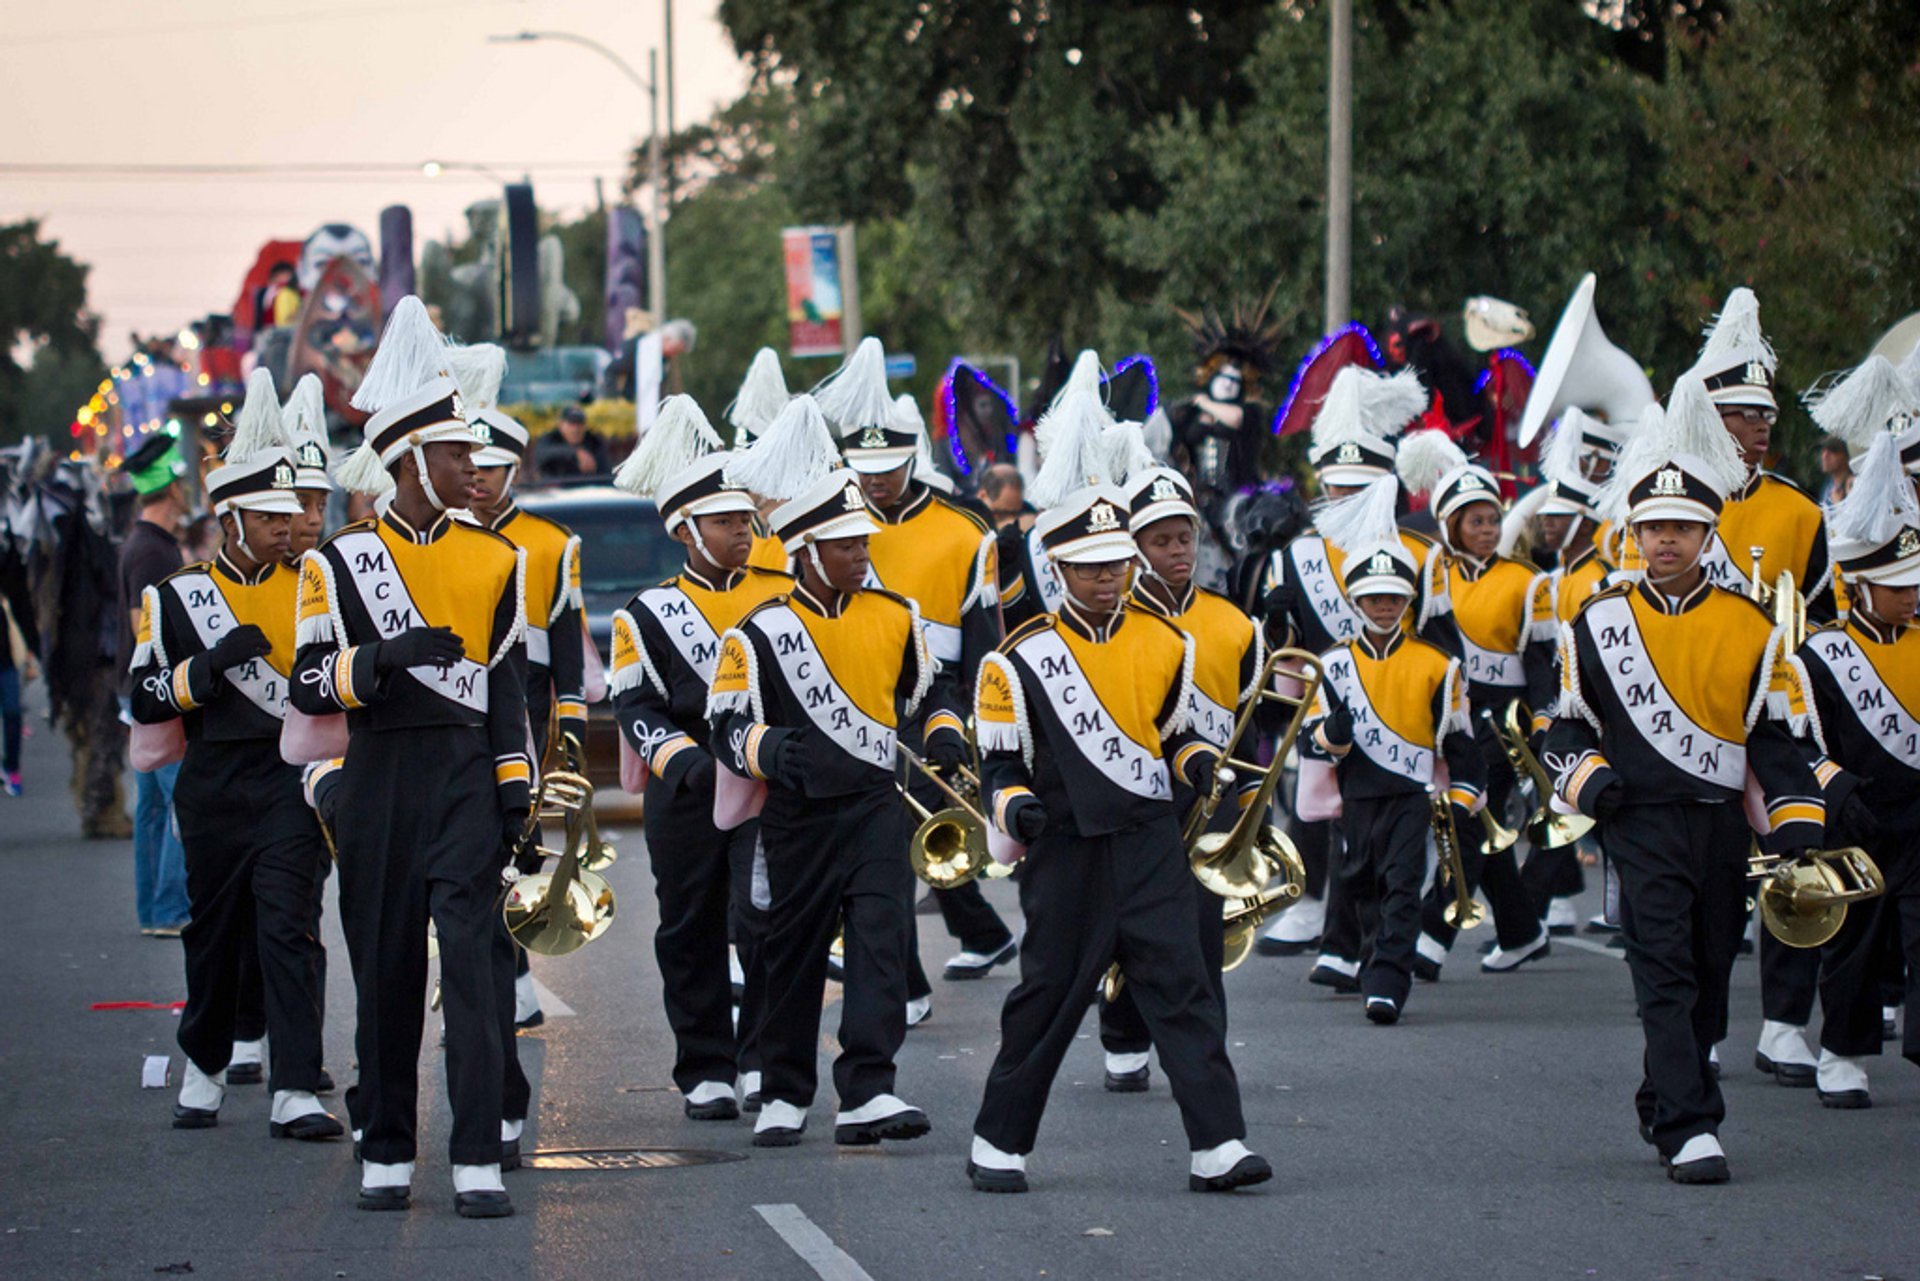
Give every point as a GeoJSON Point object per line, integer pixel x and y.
{"type": "Point", "coordinates": [199, 82]}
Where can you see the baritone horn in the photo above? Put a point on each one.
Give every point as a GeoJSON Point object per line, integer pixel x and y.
{"type": "Point", "coordinates": [949, 848]}
{"type": "Point", "coordinates": [1546, 829]}
{"type": "Point", "coordinates": [1803, 901]}
{"type": "Point", "coordinates": [558, 912]}
{"type": "Point", "coordinates": [1465, 911]}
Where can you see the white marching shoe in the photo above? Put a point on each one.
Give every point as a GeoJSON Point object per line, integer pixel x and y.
{"type": "Point", "coordinates": [526, 1003]}
{"type": "Point", "coordinates": [510, 1132]}
{"type": "Point", "coordinates": [386, 1187]}
{"type": "Point", "coordinates": [992, 1170]}
{"type": "Point", "coordinates": [1700, 1159]}
{"type": "Point", "coordinates": [919, 1010]}
{"type": "Point", "coordinates": [297, 1114]}
{"type": "Point", "coordinates": [246, 1065]}
{"type": "Point", "coordinates": [780, 1125]}
{"type": "Point", "coordinates": [479, 1194]}
{"type": "Point", "coordinates": [1783, 1054]}
{"type": "Point", "coordinates": [1226, 1167]}
{"type": "Point", "coordinates": [881, 1117]}
{"type": "Point", "coordinates": [749, 1091]}
{"type": "Point", "coordinates": [1561, 918]}
{"type": "Point", "coordinates": [712, 1101]}
{"type": "Point", "coordinates": [1501, 961]}
{"type": "Point", "coordinates": [198, 1107]}
{"type": "Point", "coordinates": [1295, 930]}
{"type": "Point", "coordinates": [1842, 1082]}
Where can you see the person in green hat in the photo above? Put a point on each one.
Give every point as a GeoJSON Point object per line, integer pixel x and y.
{"type": "Point", "coordinates": [150, 553]}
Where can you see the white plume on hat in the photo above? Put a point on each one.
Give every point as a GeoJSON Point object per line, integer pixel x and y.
{"type": "Point", "coordinates": [1082, 380]}
{"type": "Point", "coordinates": [1693, 428]}
{"type": "Point", "coordinates": [680, 437]}
{"type": "Point", "coordinates": [1560, 456]}
{"type": "Point", "coordinates": [1341, 417]}
{"type": "Point", "coordinates": [762, 395]}
{"type": "Point", "coordinates": [478, 368]}
{"type": "Point", "coordinates": [1369, 516]}
{"type": "Point", "coordinates": [1910, 369]}
{"type": "Point", "coordinates": [1079, 451]}
{"type": "Point", "coordinates": [257, 427]}
{"type": "Point", "coordinates": [1158, 433]}
{"type": "Point", "coordinates": [907, 417]}
{"type": "Point", "coordinates": [1859, 406]}
{"type": "Point", "coordinates": [1521, 514]}
{"type": "Point", "coordinates": [1388, 402]}
{"type": "Point", "coordinates": [1425, 458]}
{"type": "Point", "coordinates": [304, 416]}
{"type": "Point", "coordinates": [795, 450]}
{"type": "Point", "coordinates": [411, 351]}
{"type": "Point", "coordinates": [1735, 332]}
{"type": "Point", "coordinates": [1127, 451]}
{"type": "Point", "coordinates": [855, 395]}
{"type": "Point", "coordinates": [1644, 451]}
{"type": "Point", "coordinates": [1881, 501]}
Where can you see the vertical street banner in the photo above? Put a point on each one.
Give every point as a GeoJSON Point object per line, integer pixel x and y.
{"type": "Point", "coordinates": [823, 317]}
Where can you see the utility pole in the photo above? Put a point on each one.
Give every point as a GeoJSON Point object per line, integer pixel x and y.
{"type": "Point", "coordinates": [1340, 166]}
{"type": "Point", "coordinates": [657, 239]}
{"type": "Point", "coordinates": [669, 48]}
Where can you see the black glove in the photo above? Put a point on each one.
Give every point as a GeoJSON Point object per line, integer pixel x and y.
{"type": "Point", "coordinates": [790, 765]}
{"type": "Point", "coordinates": [243, 644]}
{"type": "Point", "coordinates": [947, 752]}
{"type": "Point", "coordinates": [513, 826]}
{"type": "Point", "coordinates": [1608, 803]}
{"type": "Point", "coordinates": [1857, 825]}
{"type": "Point", "coordinates": [1028, 819]}
{"type": "Point", "coordinates": [418, 647]}
{"type": "Point", "coordinates": [699, 777]}
{"type": "Point", "coordinates": [1337, 729]}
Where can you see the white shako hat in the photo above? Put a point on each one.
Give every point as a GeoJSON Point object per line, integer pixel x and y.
{"type": "Point", "coordinates": [762, 395]}
{"type": "Point", "coordinates": [1158, 493]}
{"type": "Point", "coordinates": [857, 405]}
{"type": "Point", "coordinates": [257, 474]}
{"type": "Point", "coordinates": [479, 369]}
{"type": "Point", "coordinates": [1605, 438]}
{"type": "Point", "coordinates": [1380, 568]}
{"type": "Point", "coordinates": [1568, 492]}
{"type": "Point", "coordinates": [795, 459]}
{"type": "Point", "coordinates": [907, 417]}
{"type": "Point", "coordinates": [412, 401]}
{"type": "Point", "coordinates": [1737, 364]}
{"type": "Point", "coordinates": [680, 466]}
{"type": "Point", "coordinates": [1680, 464]}
{"type": "Point", "coordinates": [831, 507]}
{"type": "Point", "coordinates": [1079, 447]}
{"type": "Point", "coordinates": [303, 421]}
{"type": "Point", "coordinates": [1874, 532]}
{"type": "Point", "coordinates": [1351, 440]}
{"type": "Point", "coordinates": [1431, 463]}
{"type": "Point", "coordinates": [1871, 401]}
{"type": "Point", "coordinates": [1088, 526]}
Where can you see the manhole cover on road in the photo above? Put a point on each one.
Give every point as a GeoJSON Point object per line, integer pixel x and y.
{"type": "Point", "coordinates": [626, 1158]}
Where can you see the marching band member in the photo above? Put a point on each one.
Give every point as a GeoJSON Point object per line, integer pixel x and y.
{"type": "Point", "coordinates": [1391, 707]}
{"type": "Point", "coordinates": [665, 643]}
{"type": "Point", "coordinates": [1228, 657]}
{"type": "Point", "coordinates": [808, 696]}
{"type": "Point", "coordinates": [1859, 679]}
{"type": "Point", "coordinates": [1506, 633]}
{"type": "Point", "coordinates": [1083, 724]}
{"type": "Point", "coordinates": [1737, 364]}
{"type": "Point", "coordinates": [1663, 711]}
{"type": "Point", "coordinates": [409, 624]}
{"type": "Point", "coordinates": [1303, 603]}
{"type": "Point", "coordinates": [214, 653]}
{"type": "Point", "coordinates": [940, 556]}
{"type": "Point", "coordinates": [556, 659]}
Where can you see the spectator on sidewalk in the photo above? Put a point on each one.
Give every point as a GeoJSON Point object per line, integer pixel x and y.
{"type": "Point", "coordinates": [571, 448]}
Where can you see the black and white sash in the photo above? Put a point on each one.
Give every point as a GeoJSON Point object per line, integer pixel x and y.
{"type": "Point", "coordinates": [212, 618]}
{"type": "Point", "coordinates": [1881, 713]}
{"type": "Point", "coordinates": [1376, 741]}
{"type": "Point", "coordinates": [383, 594]}
{"type": "Point", "coordinates": [1091, 729]}
{"type": "Point", "coordinates": [1046, 578]}
{"type": "Point", "coordinates": [1313, 565]}
{"type": "Point", "coordinates": [1657, 719]}
{"type": "Point", "coordinates": [1485, 666]}
{"type": "Point", "coordinates": [827, 705]}
{"type": "Point", "coordinates": [691, 635]}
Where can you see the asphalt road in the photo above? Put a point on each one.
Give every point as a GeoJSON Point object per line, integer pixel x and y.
{"type": "Point", "coordinates": [1489, 1135]}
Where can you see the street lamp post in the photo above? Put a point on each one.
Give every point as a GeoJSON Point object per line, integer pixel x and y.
{"type": "Point", "coordinates": [1340, 165]}
{"type": "Point", "coordinates": [649, 85]}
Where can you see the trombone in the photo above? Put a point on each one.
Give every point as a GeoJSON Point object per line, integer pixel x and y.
{"type": "Point", "coordinates": [554, 913]}
{"type": "Point", "coordinates": [1465, 912]}
{"type": "Point", "coordinates": [949, 848]}
{"type": "Point", "coordinates": [1546, 829]}
{"type": "Point", "coordinates": [1803, 901]}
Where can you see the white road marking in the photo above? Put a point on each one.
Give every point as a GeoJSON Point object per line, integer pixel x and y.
{"type": "Point", "coordinates": [551, 1003]}
{"type": "Point", "coordinates": [1598, 949]}
{"type": "Point", "coordinates": [815, 1248]}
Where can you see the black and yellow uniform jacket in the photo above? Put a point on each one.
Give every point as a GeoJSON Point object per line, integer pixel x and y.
{"type": "Point", "coordinates": [377, 578]}
{"type": "Point", "coordinates": [768, 552]}
{"type": "Point", "coordinates": [666, 642]}
{"type": "Point", "coordinates": [1228, 655]}
{"type": "Point", "coordinates": [1029, 584]}
{"type": "Point", "coordinates": [1407, 703]}
{"type": "Point", "coordinates": [1861, 700]}
{"type": "Point", "coordinates": [1305, 605]}
{"type": "Point", "coordinates": [556, 659]}
{"type": "Point", "coordinates": [1670, 698]}
{"type": "Point", "coordinates": [944, 559]}
{"type": "Point", "coordinates": [1779, 517]}
{"type": "Point", "coordinates": [1090, 719]}
{"type": "Point", "coordinates": [182, 617]}
{"type": "Point", "coordinates": [838, 677]}
{"type": "Point", "coordinates": [1503, 615]}
{"type": "Point", "coordinates": [1558, 597]}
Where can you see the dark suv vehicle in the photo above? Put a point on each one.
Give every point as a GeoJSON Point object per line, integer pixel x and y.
{"type": "Point", "coordinates": [623, 547]}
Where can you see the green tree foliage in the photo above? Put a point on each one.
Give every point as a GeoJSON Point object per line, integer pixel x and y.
{"type": "Point", "coordinates": [49, 363]}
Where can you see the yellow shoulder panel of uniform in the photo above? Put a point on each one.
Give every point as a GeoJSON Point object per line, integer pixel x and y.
{"type": "Point", "coordinates": [768, 603]}
{"type": "Point", "coordinates": [973, 518]}
{"type": "Point", "coordinates": [1610, 592]}
{"type": "Point", "coordinates": [895, 597]}
{"type": "Point", "coordinates": [352, 527]}
{"type": "Point", "coordinates": [191, 567]}
{"type": "Point", "coordinates": [1834, 625]}
{"type": "Point", "coordinates": [1415, 535]}
{"type": "Point", "coordinates": [546, 521]}
{"type": "Point", "coordinates": [760, 571]}
{"type": "Point", "coordinates": [1793, 485]}
{"type": "Point", "coordinates": [1747, 601]}
{"type": "Point", "coordinates": [1420, 642]}
{"type": "Point", "coordinates": [1579, 562]}
{"type": "Point", "coordinates": [1032, 627]}
{"type": "Point", "coordinates": [1141, 611]}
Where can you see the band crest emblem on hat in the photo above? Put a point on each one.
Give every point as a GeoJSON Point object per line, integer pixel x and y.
{"type": "Point", "coordinates": [310, 455]}
{"type": "Point", "coordinates": [282, 476]}
{"type": "Point", "coordinates": [873, 438]}
{"type": "Point", "coordinates": [1102, 518]}
{"type": "Point", "coordinates": [1909, 543]}
{"type": "Point", "coordinates": [1382, 563]}
{"type": "Point", "coordinates": [1757, 374]}
{"type": "Point", "coordinates": [481, 432]}
{"type": "Point", "coordinates": [854, 501]}
{"type": "Point", "coordinates": [1669, 482]}
{"type": "Point", "coordinates": [1349, 452]}
{"type": "Point", "coordinates": [1164, 490]}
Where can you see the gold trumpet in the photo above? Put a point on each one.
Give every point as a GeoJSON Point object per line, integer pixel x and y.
{"type": "Point", "coordinates": [1803, 901]}
{"type": "Point", "coordinates": [1465, 912]}
{"type": "Point", "coordinates": [949, 848]}
{"type": "Point", "coordinates": [1783, 598]}
{"type": "Point", "coordinates": [1238, 864]}
{"type": "Point", "coordinates": [1546, 829]}
{"type": "Point", "coordinates": [554, 913]}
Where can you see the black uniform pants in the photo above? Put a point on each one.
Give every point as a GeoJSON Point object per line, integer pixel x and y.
{"type": "Point", "coordinates": [1683, 909]}
{"type": "Point", "coordinates": [1087, 901]}
{"type": "Point", "coordinates": [250, 843]}
{"type": "Point", "coordinates": [1516, 919]}
{"type": "Point", "coordinates": [1880, 941]}
{"type": "Point", "coordinates": [1312, 840]}
{"type": "Point", "coordinates": [748, 930]}
{"type": "Point", "coordinates": [419, 838]}
{"type": "Point", "coordinates": [829, 857]}
{"type": "Point", "coordinates": [250, 1019]}
{"type": "Point", "coordinates": [694, 880]}
{"type": "Point", "coordinates": [1789, 979]}
{"type": "Point", "coordinates": [1123, 1030]}
{"type": "Point", "coordinates": [1380, 875]}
